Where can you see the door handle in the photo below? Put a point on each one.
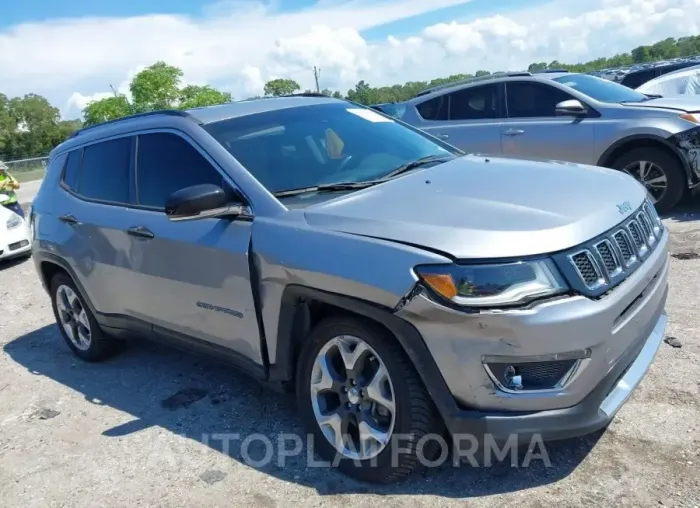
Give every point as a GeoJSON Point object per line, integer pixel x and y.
{"type": "Point", "coordinates": [69, 219]}
{"type": "Point", "coordinates": [140, 232]}
{"type": "Point", "coordinates": [513, 132]}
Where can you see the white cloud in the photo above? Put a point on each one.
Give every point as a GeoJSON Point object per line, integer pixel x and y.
{"type": "Point", "coordinates": [239, 45]}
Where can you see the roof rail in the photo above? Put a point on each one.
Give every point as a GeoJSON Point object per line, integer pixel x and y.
{"type": "Point", "coordinates": [549, 71]}
{"type": "Point", "coordinates": [307, 94]}
{"type": "Point", "coordinates": [169, 112]}
{"type": "Point", "coordinates": [475, 79]}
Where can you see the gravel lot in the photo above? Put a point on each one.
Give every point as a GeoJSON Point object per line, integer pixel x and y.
{"type": "Point", "coordinates": [82, 435]}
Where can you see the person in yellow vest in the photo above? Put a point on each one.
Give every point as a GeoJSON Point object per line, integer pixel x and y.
{"type": "Point", "coordinates": [8, 186]}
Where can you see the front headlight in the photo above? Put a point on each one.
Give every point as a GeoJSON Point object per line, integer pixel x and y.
{"type": "Point", "coordinates": [493, 285]}
{"type": "Point", "coordinates": [14, 221]}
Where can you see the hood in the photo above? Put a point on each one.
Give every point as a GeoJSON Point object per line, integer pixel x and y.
{"type": "Point", "coordinates": [476, 207]}
{"type": "Point", "coordinates": [5, 214]}
{"type": "Point", "coordinates": [688, 103]}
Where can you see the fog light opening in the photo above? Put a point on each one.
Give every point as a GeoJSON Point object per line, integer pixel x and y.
{"type": "Point", "coordinates": [531, 376]}
{"type": "Point", "coordinates": [513, 380]}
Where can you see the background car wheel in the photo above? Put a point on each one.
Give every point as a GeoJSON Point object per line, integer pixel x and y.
{"type": "Point", "coordinates": [363, 401]}
{"type": "Point", "coordinates": [660, 172]}
{"type": "Point", "coordinates": [78, 326]}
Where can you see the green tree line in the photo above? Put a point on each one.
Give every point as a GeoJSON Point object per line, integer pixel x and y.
{"type": "Point", "coordinates": [31, 126]}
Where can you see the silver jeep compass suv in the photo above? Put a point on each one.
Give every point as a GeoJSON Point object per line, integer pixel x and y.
{"type": "Point", "coordinates": [399, 287]}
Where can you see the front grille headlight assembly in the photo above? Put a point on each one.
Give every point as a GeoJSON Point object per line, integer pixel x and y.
{"type": "Point", "coordinates": [493, 285]}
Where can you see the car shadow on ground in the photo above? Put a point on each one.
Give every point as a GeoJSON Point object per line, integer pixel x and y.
{"type": "Point", "coordinates": [12, 262]}
{"type": "Point", "coordinates": [199, 398]}
{"type": "Point", "coordinates": [688, 210]}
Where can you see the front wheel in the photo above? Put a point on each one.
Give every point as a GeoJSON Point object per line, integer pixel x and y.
{"type": "Point", "coordinates": [363, 402]}
{"type": "Point", "coordinates": [660, 172]}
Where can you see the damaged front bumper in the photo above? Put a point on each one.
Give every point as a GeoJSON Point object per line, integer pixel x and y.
{"type": "Point", "coordinates": [687, 143]}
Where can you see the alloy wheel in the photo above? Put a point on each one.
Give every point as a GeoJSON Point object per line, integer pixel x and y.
{"type": "Point", "coordinates": [353, 397]}
{"type": "Point", "coordinates": [73, 318]}
{"type": "Point", "coordinates": [651, 176]}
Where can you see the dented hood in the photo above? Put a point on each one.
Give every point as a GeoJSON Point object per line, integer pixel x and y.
{"type": "Point", "coordinates": [474, 207]}
{"type": "Point", "coordinates": [687, 103]}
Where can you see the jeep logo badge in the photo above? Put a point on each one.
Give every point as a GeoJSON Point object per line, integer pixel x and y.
{"type": "Point", "coordinates": [624, 207]}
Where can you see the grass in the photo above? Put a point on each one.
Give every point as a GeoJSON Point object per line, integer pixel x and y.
{"type": "Point", "coordinates": [28, 176]}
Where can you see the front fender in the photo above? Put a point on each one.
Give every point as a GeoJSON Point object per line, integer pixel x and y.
{"type": "Point", "coordinates": [690, 163]}
{"type": "Point", "coordinates": [360, 268]}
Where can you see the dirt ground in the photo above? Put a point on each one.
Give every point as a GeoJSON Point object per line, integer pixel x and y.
{"type": "Point", "coordinates": [140, 429]}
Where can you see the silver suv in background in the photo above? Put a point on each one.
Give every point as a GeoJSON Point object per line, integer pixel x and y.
{"type": "Point", "coordinates": [568, 117]}
{"type": "Point", "coordinates": [396, 285]}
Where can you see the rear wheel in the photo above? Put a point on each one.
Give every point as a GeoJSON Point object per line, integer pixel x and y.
{"type": "Point", "coordinates": [76, 323]}
{"type": "Point", "coordinates": [660, 172]}
{"type": "Point", "coordinates": [364, 403]}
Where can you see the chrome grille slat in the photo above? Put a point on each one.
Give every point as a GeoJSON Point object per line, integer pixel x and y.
{"type": "Point", "coordinates": [588, 269]}
{"type": "Point", "coordinates": [646, 226]}
{"type": "Point", "coordinates": [637, 235]}
{"type": "Point", "coordinates": [624, 244]}
{"type": "Point", "coordinates": [612, 257]}
{"type": "Point", "coordinates": [611, 262]}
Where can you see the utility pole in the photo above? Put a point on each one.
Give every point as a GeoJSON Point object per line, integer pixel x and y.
{"type": "Point", "coordinates": [116, 96]}
{"type": "Point", "coordinates": [317, 73]}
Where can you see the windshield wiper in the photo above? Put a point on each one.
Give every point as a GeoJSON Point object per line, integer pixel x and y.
{"type": "Point", "coordinates": [341, 186]}
{"type": "Point", "coordinates": [329, 187]}
{"type": "Point", "coordinates": [647, 97]}
{"type": "Point", "coordinates": [416, 164]}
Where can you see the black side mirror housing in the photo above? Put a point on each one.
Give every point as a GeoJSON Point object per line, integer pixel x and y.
{"type": "Point", "coordinates": [200, 202]}
{"type": "Point", "coordinates": [571, 107]}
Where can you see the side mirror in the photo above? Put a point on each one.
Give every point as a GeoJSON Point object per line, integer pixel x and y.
{"type": "Point", "coordinates": [571, 107]}
{"type": "Point", "coordinates": [201, 202]}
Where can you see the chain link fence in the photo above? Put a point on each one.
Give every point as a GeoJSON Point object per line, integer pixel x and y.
{"type": "Point", "coordinates": [26, 170]}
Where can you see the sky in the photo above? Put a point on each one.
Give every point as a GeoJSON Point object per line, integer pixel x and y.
{"type": "Point", "coordinates": [72, 51]}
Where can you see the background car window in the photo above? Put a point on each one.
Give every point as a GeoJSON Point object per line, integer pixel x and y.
{"type": "Point", "coordinates": [395, 110]}
{"type": "Point", "coordinates": [105, 171]}
{"type": "Point", "coordinates": [70, 173]}
{"type": "Point", "coordinates": [434, 109]}
{"type": "Point", "coordinates": [635, 79]}
{"type": "Point", "coordinates": [600, 89]}
{"type": "Point", "coordinates": [475, 103]}
{"type": "Point", "coordinates": [530, 100]}
{"type": "Point", "coordinates": [166, 163]}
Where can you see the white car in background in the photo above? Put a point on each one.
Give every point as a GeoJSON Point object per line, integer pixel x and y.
{"type": "Point", "coordinates": [682, 82]}
{"type": "Point", "coordinates": [14, 234]}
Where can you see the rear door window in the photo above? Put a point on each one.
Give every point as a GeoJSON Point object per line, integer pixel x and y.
{"type": "Point", "coordinates": [474, 103]}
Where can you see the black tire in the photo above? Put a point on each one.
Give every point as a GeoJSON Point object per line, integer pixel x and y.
{"type": "Point", "coordinates": [415, 413]}
{"type": "Point", "coordinates": [101, 346]}
{"type": "Point", "coordinates": [669, 164]}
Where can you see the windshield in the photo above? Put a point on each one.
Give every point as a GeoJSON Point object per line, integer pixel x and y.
{"type": "Point", "coordinates": [601, 90]}
{"type": "Point", "coordinates": [307, 146]}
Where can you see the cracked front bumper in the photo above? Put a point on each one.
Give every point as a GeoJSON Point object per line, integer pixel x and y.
{"type": "Point", "coordinates": [590, 415]}
{"type": "Point", "coordinates": [620, 333]}
{"type": "Point", "coordinates": [688, 144]}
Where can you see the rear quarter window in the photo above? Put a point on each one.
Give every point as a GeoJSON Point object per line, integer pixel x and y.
{"type": "Point", "coordinates": [72, 169]}
{"type": "Point", "coordinates": [434, 109]}
{"type": "Point", "coordinates": [104, 173]}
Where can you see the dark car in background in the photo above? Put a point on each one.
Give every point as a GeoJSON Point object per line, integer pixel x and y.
{"type": "Point", "coordinates": [638, 77]}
